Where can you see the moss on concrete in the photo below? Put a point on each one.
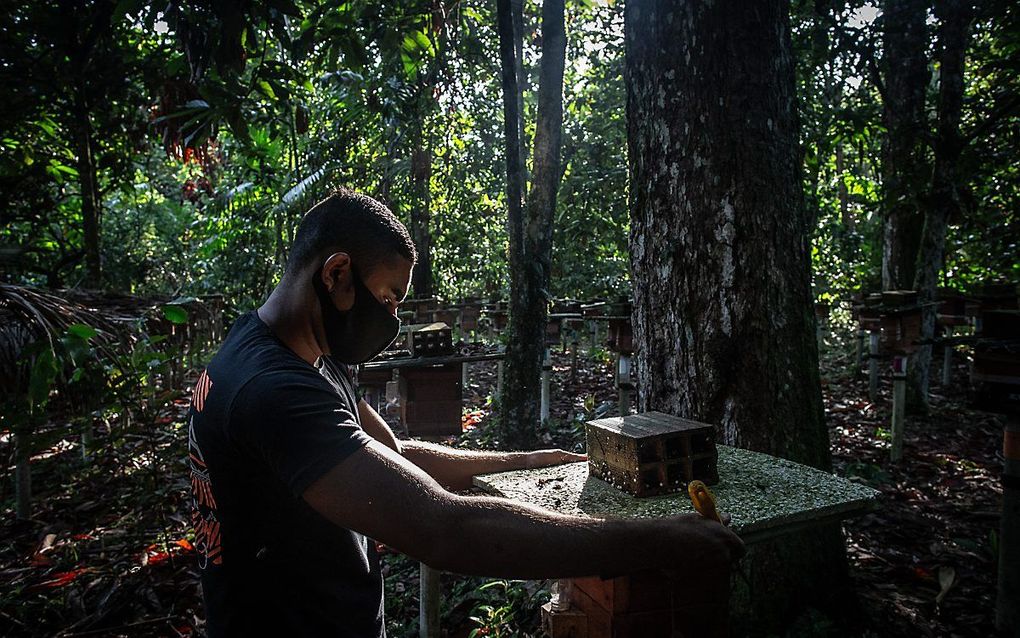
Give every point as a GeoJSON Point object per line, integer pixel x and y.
{"type": "Point", "coordinates": [765, 495]}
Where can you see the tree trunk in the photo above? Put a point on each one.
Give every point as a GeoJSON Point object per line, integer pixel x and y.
{"type": "Point", "coordinates": [723, 313]}
{"type": "Point", "coordinates": [944, 203]}
{"type": "Point", "coordinates": [520, 397]}
{"type": "Point", "coordinates": [531, 241]}
{"type": "Point", "coordinates": [421, 232]}
{"type": "Point", "coordinates": [903, 163]}
{"type": "Point", "coordinates": [91, 200]}
{"type": "Point", "coordinates": [522, 81]}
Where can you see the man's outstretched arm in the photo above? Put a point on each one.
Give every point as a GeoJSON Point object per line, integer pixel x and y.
{"type": "Point", "coordinates": [454, 468]}
{"type": "Point", "coordinates": [381, 494]}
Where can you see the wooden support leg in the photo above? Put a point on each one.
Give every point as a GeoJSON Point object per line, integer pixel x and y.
{"type": "Point", "coordinates": [428, 607]}
{"type": "Point", "coordinates": [861, 336]}
{"type": "Point", "coordinates": [87, 440]}
{"type": "Point", "coordinates": [499, 378]}
{"type": "Point", "coordinates": [873, 367]}
{"type": "Point", "coordinates": [464, 376]}
{"type": "Point", "coordinates": [947, 360]}
{"type": "Point", "coordinates": [899, 404]}
{"type": "Point", "coordinates": [546, 375]}
{"type": "Point", "coordinates": [22, 474]}
{"type": "Point", "coordinates": [573, 359]}
{"type": "Point", "coordinates": [1007, 608]}
{"type": "Point", "coordinates": [623, 383]}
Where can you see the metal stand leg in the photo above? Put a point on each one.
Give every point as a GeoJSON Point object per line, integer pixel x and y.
{"type": "Point", "coordinates": [899, 403]}
{"type": "Point", "coordinates": [428, 609]}
{"type": "Point", "coordinates": [1007, 607]}
{"type": "Point", "coordinates": [873, 368]}
{"type": "Point", "coordinates": [499, 378]}
{"type": "Point", "coordinates": [546, 374]}
{"type": "Point", "coordinates": [464, 376]}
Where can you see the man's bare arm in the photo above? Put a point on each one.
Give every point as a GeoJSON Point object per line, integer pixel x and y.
{"type": "Point", "coordinates": [381, 494]}
{"type": "Point", "coordinates": [454, 468]}
{"type": "Point", "coordinates": [376, 427]}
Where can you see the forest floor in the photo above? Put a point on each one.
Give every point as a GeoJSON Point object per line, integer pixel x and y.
{"type": "Point", "coordinates": [108, 553]}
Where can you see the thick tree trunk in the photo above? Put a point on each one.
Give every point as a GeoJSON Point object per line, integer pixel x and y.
{"type": "Point", "coordinates": [723, 313]}
{"type": "Point", "coordinates": [91, 200]}
{"type": "Point", "coordinates": [944, 202]}
{"type": "Point", "coordinates": [904, 171]}
{"type": "Point", "coordinates": [530, 259]}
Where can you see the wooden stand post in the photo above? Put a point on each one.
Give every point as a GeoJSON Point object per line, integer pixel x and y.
{"type": "Point", "coordinates": [623, 383]}
{"type": "Point", "coordinates": [861, 336]}
{"type": "Point", "coordinates": [464, 376]}
{"type": "Point", "coordinates": [428, 606]}
{"type": "Point", "coordinates": [499, 378]}
{"type": "Point", "coordinates": [873, 367]}
{"type": "Point", "coordinates": [1007, 608]}
{"type": "Point", "coordinates": [899, 404]}
{"type": "Point", "coordinates": [546, 374]}
{"type": "Point", "coordinates": [22, 473]}
{"type": "Point", "coordinates": [573, 357]}
{"type": "Point", "coordinates": [87, 440]}
{"type": "Point", "coordinates": [947, 359]}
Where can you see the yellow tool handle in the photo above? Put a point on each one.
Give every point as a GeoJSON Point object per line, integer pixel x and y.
{"type": "Point", "coordinates": [703, 500]}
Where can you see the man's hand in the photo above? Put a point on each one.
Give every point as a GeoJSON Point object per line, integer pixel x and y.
{"type": "Point", "coordinates": [545, 458]}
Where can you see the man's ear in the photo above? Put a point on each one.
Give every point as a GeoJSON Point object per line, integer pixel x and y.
{"type": "Point", "coordinates": [335, 270]}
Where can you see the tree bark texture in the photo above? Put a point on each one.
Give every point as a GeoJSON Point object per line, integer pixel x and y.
{"type": "Point", "coordinates": [719, 239]}
{"type": "Point", "coordinates": [904, 167]}
{"type": "Point", "coordinates": [944, 201]}
{"type": "Point", "coordinates": [723, 312]}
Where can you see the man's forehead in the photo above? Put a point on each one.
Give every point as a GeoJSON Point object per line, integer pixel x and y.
{"type": "Point", "coordinates": [394, 273]}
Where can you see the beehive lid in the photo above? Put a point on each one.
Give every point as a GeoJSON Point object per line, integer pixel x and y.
{"type": "Point", "coordinates": [765, 495]}
{"type": "Point", "coordinates": [647, 424]}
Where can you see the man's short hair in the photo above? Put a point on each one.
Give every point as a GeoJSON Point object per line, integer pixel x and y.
{"type": "Point", "coordinates": [352, 223]}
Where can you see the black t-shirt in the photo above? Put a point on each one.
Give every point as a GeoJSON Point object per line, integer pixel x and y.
{"type": "Point", "coordinates": [264, 425]}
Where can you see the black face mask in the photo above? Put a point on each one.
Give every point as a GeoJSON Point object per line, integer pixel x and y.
{"type": "Point", "coordinates": [356, 335]}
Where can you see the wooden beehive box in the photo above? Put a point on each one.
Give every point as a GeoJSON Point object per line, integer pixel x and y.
{"type": "Point", "coordinates": [652, 453]}
{"type": "Point", "coordinates": [869, 315]}
{"type": "Point", "coordinates": [430, 400]}
{"type": "Point", "coordinates": [822, 310]}
{"type": "Point", "coordinates": [433, 340]}
{"type": "Point", "coordinates": [995, 373]}
{"type": "Point", "coordinates": [469, 315]}
{"type": "Point", "coordinates": [952, 309]}
{"type": "Point", "coordinates": [901, 321]}
{"type": "Point", "coordinates": [445, 315]}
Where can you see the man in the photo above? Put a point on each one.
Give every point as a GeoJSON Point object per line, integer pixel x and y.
{"type": "Point", "coordinates": [292, 473]}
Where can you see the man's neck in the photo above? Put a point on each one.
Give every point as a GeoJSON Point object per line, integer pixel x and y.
{"type": "Point", "coordinates": [287, 313]}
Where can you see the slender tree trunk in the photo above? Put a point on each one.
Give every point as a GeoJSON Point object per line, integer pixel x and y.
{"type": "Point", "coordinates": [904, 172]}
{"type": "Point", "coordinates": [723, 313]}
{"type": "Point", "coordinates": [531, 243]}
{"type": "Point", "coordinates": [522, 81]}
{"type": "Point", "coordinates": [519, 399]}
{"type": "Point", "coordinates": [91, 200]}
{"type": "Point", "coordinates": [421, 218]}
{"type": "Point", "coordinates": [944, 202]}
